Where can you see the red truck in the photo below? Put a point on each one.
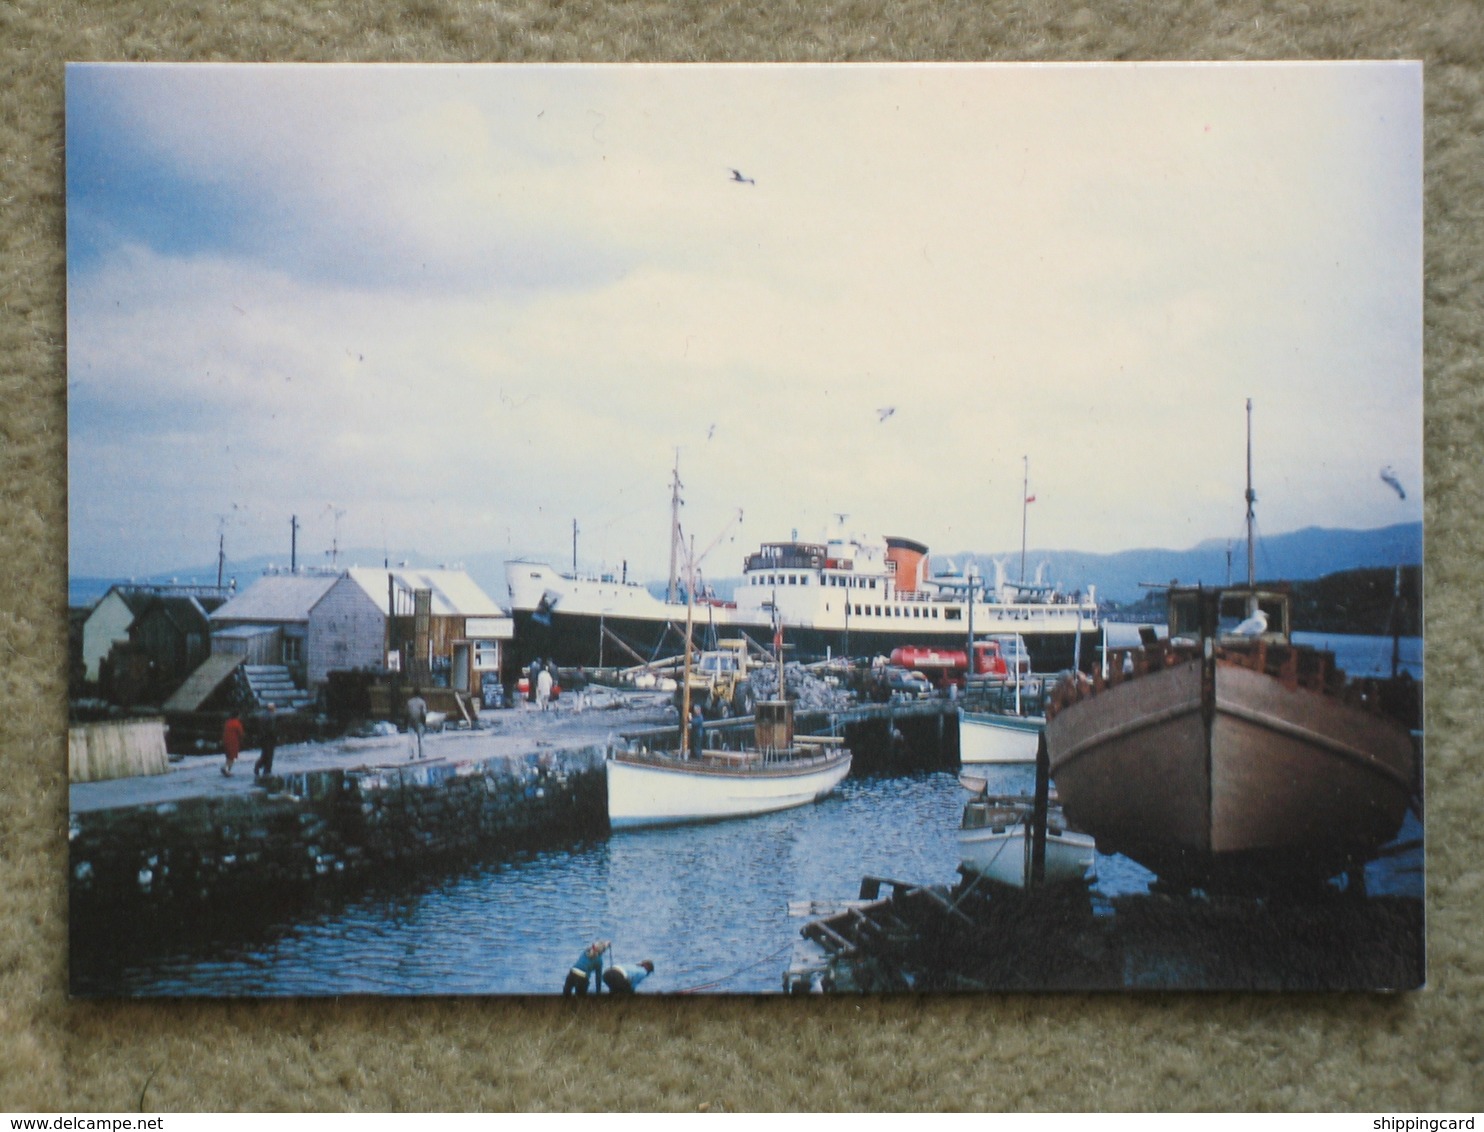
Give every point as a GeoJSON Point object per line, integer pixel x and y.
{"type": "Point", "coordinates": [948, 666]}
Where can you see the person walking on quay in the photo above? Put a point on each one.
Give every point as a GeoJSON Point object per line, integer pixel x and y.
{"type": "Point", "coordinates": [624, 978]}
{"type": "Point", "coordinates": [232, 735]}
{"type": "Point", "coordinates": [417, 719]}
{"type": "Point", "coordinates": [264, 766]}
{"type": "Point", "coordinates": [532, 679]}
{"type": "Point", "coordinates": [543, 687]}
{"type": "Point", "coordinates": [588, 970]}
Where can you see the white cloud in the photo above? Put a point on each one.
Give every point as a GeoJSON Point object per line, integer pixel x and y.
{"type": "Point", "coordinates": [1091, 267]}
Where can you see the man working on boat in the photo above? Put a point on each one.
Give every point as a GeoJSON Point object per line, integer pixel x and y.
{"type": "Point", "coordinates": [697, 724]}
{"type": "Point", "coordinates": [587, 969]}
{"type": "Point", "coordinates": [624, 978]}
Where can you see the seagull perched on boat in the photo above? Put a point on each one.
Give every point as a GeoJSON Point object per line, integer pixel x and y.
{"type": "Point", "coordinates": [882, 414]}
{"type": "Point", "coordinates": [1254, 626]}
{"type": "Point", "coordinates": [1389, 477]}
{"type": "Point", "coordinates": [741, 180]}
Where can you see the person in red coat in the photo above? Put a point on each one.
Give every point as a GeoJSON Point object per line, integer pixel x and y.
{"type": "Point", "coordinates": [232, 736]}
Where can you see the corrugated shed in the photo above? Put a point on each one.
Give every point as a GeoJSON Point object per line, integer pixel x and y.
{"type": "Point", "coordinates": [276, 598]}
{"type": "Point", "coordinates": [455, 594]}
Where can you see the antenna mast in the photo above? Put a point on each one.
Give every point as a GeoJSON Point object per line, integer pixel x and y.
{"type": "Point", "coordinates": [1025, 504]}
{"type": "Point", "coordinates": [675, 486]}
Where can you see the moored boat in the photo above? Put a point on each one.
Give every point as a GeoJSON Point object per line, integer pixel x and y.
{"type": "Point", "coordinates": [651, 787]}
{"type": "Point", "coordinates": [995, 842]}
{"type": "Point", "coordinates": [1228, 756]}
{"type": "Point", "coordinates": [843, 596]}
{"type": "Point", "coordinates": [995, 738]}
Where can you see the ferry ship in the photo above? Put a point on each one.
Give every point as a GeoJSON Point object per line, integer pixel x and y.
{"type": "Point", "coordinates": [845, 596]}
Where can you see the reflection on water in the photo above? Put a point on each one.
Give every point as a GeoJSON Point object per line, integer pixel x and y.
{"type": "Point", "coordinates": [707, 903]}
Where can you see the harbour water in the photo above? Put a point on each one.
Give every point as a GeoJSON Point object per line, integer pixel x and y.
{"type": "Point", "coordinates": [707, 903]}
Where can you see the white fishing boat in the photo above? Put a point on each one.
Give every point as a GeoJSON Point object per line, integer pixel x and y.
{"type": "Point", "coordinates": [992, 738]}
{"type": "Point", "coordinates": [700, 783]}
{"type": "Point", "coordinates": [649, 788]}
{"type": "Point", "coordinates": [994, 841]}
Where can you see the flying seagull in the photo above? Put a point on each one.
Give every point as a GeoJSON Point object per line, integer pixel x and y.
{"type": "Point", "coordinates": [882, 414]}
{"type": "Point", "coordinates": [1389, 477]}
{"type": "Point", "coordinates": [741, 180]}
{"type": "Point", "coordinates": [1254, 626]}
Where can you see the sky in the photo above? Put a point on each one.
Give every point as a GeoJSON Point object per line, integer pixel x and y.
{"type": "Point", "coordinates": [454, 309]}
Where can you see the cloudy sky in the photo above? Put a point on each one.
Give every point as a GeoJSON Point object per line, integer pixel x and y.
{"type": "Point", "coordinates": [452, 309]}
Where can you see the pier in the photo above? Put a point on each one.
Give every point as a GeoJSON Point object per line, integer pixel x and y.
{"type": "Point", "coordinates": [171, 851]}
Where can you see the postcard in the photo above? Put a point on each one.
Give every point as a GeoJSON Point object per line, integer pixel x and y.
{"type": "Point", "coordinates": [763, 529]}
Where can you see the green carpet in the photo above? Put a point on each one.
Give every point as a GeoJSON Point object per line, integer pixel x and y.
{"type": "Point", "coordinates": [1190, 1051]}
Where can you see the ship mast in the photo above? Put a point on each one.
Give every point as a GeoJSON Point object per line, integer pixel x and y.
{"type": "Point", "coordinates": [675, 486]}
{"type": "Point", "coordinates": [1251, 523]}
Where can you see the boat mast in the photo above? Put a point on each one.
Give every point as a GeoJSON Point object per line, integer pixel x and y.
{"type": "Point", "coordinates": [675, 486]}
{"type": "Point", "coordinates": [1251, 522]}
{"type": "Point", "coordinates": [690, 595]}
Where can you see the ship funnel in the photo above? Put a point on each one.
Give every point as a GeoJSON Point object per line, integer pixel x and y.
{"type": "Point", "coordinates": [909, 561]}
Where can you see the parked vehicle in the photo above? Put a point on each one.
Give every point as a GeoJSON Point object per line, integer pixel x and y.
{"type": "Point", "coordinates": [908, 685]}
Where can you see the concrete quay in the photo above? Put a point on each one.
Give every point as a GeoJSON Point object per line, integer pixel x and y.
{"type": "Point", "coordinates": [172, 847]}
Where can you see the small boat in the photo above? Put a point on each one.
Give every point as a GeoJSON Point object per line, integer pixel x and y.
{"type": "Point", "coordinates": [649, 788]}
{"type": "Point", "coordinates": [988, 738]}
{"type": "Point", "coordinates": [994, 841]}
{"type": "Point", "coordinates": [698, 784]}
{"type": "Point", "coordinates": [1226, 755]}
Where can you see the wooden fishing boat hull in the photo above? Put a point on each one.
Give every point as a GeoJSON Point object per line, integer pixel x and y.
{"type": "Point", "coordinates": [654, 790]}
{"type": "Point", "coordinates": [987, 738]}
{"type": "Point", "coordinates": [1003, 854]}
{"type": "Point", "coordinates": [1250, 780]}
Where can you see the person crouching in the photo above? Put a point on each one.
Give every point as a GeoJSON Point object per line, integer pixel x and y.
{"type": "Point", "coordinates": [624, 978]}
{"type": "Point", "coordinates": [589, 966]}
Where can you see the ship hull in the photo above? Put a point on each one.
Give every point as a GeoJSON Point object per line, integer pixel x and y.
{"type": "Point", "coordinates": [988, 739]}
{"type": "Point", "coordinates": [659, 792]}
{"type": "Point", "coordinates": [1003, 854]}
{"type": "Point", "coordinates": [1233, 779]}
{"type": "Point", "coordinates": [584, 638]}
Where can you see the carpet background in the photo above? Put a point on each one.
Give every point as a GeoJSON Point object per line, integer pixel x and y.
{"type": "Point", "coordinates": [1420, 1051]}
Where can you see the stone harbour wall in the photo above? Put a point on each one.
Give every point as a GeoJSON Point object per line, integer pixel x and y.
{"type": "Point", "coordinates": [321, 826]}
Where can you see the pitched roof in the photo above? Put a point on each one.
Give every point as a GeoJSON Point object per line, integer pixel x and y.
{"type": "Point", "coordinates": [199, 685]}
{"type": "Point", "coordinates": [455, 594]}
{"type": "Point", "coordinates": [276, 598]}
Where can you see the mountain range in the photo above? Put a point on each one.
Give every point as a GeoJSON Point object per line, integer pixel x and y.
{"type": "Point", "coordinates": [1295, 556]}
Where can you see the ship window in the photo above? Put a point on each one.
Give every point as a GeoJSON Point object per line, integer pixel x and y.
{"type": "Point", "coordinates": [953, 613]}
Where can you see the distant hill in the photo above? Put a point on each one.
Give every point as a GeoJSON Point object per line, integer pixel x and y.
{"type": "Point", "coordinates": [86, 590]}
{"type": "Point", "coordinates": [1309, 553]}
{"type": "Point", "coordinates": [1360, 601]}
{"type": "Point", "coordinates": [1299, 555]}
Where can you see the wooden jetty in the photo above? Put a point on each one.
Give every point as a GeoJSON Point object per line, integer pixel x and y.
{"type": "Point", "coordinates": [975, 936]}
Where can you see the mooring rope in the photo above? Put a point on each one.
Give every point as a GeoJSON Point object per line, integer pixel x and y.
{"type": "Point", "coordinates": [738, 971]}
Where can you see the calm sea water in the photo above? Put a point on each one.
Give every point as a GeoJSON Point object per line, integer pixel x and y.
{"type": "Point", "coordinates": [708, 904]}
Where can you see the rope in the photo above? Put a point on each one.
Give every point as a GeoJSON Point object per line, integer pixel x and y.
{"type": "Point", "coordinates": [738, 971]}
